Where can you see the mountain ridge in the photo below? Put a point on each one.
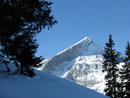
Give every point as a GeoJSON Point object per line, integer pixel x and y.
{"type": "Point", "coordinates": [78, 49]}
{"type": "Point", "coordinates": [79, 62]}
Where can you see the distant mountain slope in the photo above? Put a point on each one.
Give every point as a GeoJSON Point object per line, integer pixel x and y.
{"type": "Point", "coordinates": [84, 47]}
{"type": "Point", "coordinates": [80, 63]}
{"type": "Point", "coordinates": [86, 71]}
{"type": "Point", "coordinates": [42, 86]}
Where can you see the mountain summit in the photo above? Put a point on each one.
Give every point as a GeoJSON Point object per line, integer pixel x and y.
{"type": "Point", "coordinates": [85, 46]}
{"type": "Point", "coordinates": [80, 63]}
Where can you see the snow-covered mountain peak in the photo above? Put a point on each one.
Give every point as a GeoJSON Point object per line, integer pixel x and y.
{"type": "Point", "coordinates": [82, 42]}
{"type": "Point", "coordinates": [81, 63]}
{"type": "Point", "coordinates": [85, 46]}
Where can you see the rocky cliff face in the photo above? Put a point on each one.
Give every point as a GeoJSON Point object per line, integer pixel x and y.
{"type": "Point", "coordinates": [80, 63]}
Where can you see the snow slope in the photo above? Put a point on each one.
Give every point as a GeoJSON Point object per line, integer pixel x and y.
{"type": "Point", "coordinates": [42, 86]}
{"type": "Point", "coordinates": [80, 63]}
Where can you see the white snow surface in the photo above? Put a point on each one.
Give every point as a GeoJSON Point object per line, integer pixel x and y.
{"type": "Point", "coordinates": [42, 86]}
{"type": "Point", "coordinates": [87, 71]}
{"type": "Point", "coordinates": [80, 63]}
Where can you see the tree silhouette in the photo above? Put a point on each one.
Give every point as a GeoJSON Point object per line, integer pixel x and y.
{"type": "Point", "coordinates": [111, 69]}
{"type": "Point", "coordinates": [20, 22]}
{"type": "Point", "coordinates": [125, 75]}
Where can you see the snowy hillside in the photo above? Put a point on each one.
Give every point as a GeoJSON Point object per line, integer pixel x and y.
{"type": "Point", "coordinates": [42, 86]}
{"type": "Point", "coordinates": [80, 63]}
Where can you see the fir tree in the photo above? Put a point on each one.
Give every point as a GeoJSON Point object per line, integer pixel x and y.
{"type": "Point", "coordinates": [125, 75]}
{"type": "Point", "coordinates": [20, 22]}
{"type": "Point", "coordinates": [25, 53]}
{"type": "Point", "coordinates": [110, 68]}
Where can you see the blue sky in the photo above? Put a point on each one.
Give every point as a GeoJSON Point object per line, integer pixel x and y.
{"type": "Point", "coordinates": [79, 18]}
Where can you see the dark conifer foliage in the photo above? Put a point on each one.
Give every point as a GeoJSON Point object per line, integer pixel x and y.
{"type": "Point", "coordinates": [4, 60]}
{"type": "Point", "coordinates": [20, 22]}
{"type": "Point", "coordinates": [125, 75]}
{"type": "Point", "coordinates": [110, 68]}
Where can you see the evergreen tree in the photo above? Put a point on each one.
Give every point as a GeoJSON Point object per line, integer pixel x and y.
{"type": "Point", "coordinates": [125, 74]}
{"type": "Point", "coordinates": [26, 53]}
{"type": "Point", "coordinates": [20, 22]}
{"type": "Point", "coordinates": [111, 69]}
